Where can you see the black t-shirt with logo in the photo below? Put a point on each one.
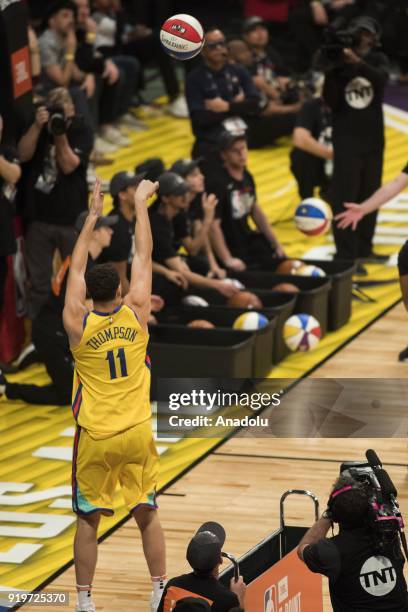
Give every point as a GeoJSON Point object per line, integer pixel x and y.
{"type": "Point", "coordinates": [355, 94]}
{"type": "Point", "coordinates": [360, 578]}
{"type": "Point", "coordinates": [52, 196]}
{"type": "Point", "coordinates": [218, 596]}
{"type": "Point", "coordinates": [314, 116]}
{"type": "Point", "coordinates": [8, 244]}
{"type": "Point", "coordinates": [236, 199]}
{"type": "Point", "coordinates": [121, 247]}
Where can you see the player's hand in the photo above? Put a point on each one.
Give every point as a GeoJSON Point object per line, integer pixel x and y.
{"type": "Point", "coordinates": [41, 116]}
{"type": "Point", "coordinates": [351, 216]}
{"type": "Point", "coordinates": [146, 189]}
{"type": "Point", "coordinates": [156, 302]}
{"type": "Point", "coordinates": [239, 588]}
{"type": "Point", "coordinates": [208, 203]}
{"type": "Point", "coordinates": [177, 278]}
{"type": "Point", "coordinates": [234, 263]}
{"type": "Point", "coordinates": [217, 105]}
{"type": "Point", "coordinates": [96, 207]}
{"type": "Point", "coordinates": [226, 289]}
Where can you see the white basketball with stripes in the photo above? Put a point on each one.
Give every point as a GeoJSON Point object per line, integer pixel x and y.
{"type": "Point", "coordinates": [182, 36]}
{"type": "Point", "coordinates": [313, 217]}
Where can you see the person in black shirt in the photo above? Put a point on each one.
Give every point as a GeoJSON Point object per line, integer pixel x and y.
{"type": "Point", "coordinates": [312, 152]}
{"type": "Point", "coordinates": [354, 90]}
{"type": "Point", "coordinates": [10, 173]}
{"type": "Point", "coordinates": [48, 334]}
{"type": "Point", "coordinates": [166, 261]}
{"type": "Point", "coordinates": [236, 245]}
{"type": "Point", "coordinates": [204, 556]}
{"type": "Point", "coordinates": [363, 577]}
{"type": "Point", "coordinates": [120, 251]}
{"type": "Point", "coordinates": [56, 189]}
{"type": "Point", "coordinates": [217, 91]}
{"type": "Point", "coordinates": [196, 221]}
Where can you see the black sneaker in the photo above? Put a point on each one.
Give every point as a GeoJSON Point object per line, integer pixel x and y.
{"type": "Point", "coordinates": [360, 270]}
{"type": "Point", "coordinates": [403, 356]}
{"type": "Point", "coordinates": [376, 258]}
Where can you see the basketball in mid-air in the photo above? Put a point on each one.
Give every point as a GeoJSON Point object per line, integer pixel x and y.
{"type": "Point", "coordinates": [182, 36]}
{"type": "Point", "coordinates": [313, 217]}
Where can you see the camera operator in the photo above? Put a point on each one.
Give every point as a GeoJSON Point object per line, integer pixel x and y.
{"type": "Point", "coordinates": [356, 75]}
{"type": "Point", "coordinates": [57, 146]}
{"type": "Point", "coordinates": [363, 574]}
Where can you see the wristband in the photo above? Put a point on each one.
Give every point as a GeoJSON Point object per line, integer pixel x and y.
{"type": "Point", "coordinates": [90, 37]}
{"type": "Point", "coordinates": [69, 57]}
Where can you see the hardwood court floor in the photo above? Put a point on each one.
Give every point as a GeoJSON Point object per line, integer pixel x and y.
{"type": "Point", "coordinates": [239, 485]}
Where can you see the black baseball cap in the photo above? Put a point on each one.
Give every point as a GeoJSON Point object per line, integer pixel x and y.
{"type": "Point", "coordinates": [122, 180]}
{"type": "Point", "coordinates": [152, 168]}
{"type": "Point", "coordinates": [60, 5]}
{"type": "Point", "coordinates": [365, 22]}
{"type": "Point", "coordinates": [183, 167]}
{"type": "Point", "coordinates": [104, 221]}
{"type": "Point", "coordinates": [192, 604]}
{"type": "Point", "coordinates": [171, 183]}
{"type": "Point", "coordinates": [250, 23]}
{"type": "Point", "coordinates": [204, 550]}
{"type": "Point", "coordinates": [227, 139]}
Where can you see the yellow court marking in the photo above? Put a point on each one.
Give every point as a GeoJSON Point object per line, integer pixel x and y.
{"type": "Point", "coordinates": [36, 523]}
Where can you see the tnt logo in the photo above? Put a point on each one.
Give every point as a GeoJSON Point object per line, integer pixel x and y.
{"type": "Point", "coordinates": [359, 93]}
{"type": "Point", "coordinates": [378, 576]}
{"type": "Point", "coordinates": [178, 28]}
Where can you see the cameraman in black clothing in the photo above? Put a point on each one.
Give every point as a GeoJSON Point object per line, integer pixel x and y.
{"type": "Point", "coordinates": [364, 576]}
{"type": "Point", "coordinates": [354, 90]}
{"type": "Point", "coordinates": [57, 146]}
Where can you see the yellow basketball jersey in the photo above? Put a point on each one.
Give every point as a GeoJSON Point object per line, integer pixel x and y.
{"type": "Point", "coordinates": [112, 373]}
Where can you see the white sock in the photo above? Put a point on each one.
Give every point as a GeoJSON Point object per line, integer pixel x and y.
{"type": "Point", "coordinates": [84, 596]}
{"type": "Point", "coordinates": [158, 583]}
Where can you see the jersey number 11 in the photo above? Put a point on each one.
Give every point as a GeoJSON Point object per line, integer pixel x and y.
{"type": "Point", "coordinates": [121, 359]}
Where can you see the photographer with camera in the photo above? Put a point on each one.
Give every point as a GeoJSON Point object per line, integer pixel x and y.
{"type": "Point", "coordinates": [355, 78]}
{"type": "Point", "coordinates": [56, 148]}
{"type": "Point", "coordinates": [363, 562]}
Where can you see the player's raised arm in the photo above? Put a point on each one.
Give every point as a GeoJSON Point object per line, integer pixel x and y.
{"type": "Point", "coordinates": [75, 308]}
{"type": "Point", "coordinates": [140, 288]}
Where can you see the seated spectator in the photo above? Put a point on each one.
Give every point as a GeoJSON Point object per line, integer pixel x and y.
{"type": "Point", "coordinates": [49, 336]}
{"type": "Point", "coordinates": [120, 251]}
{"type": "Point", "coordinates": [236, 245]}
{"type": "Point", "coordinates": [109, 83]}
{"type": "Point", "coordinates": [171, 202]}
{"type": "Point", "coordinates": [10, 173]}
{"type": "Point", "coordinates": [58, 45]}
{"type": "Point", "coordinates": [198, 218]}
{"type": "Point", "coordinates": [215, 91]}
{"type": "Point", "coordinates": [204, 554]}
{"type": "Point", "coordinates": [57, 146]}
{"type": "Point", "coordinates": [312, 153]}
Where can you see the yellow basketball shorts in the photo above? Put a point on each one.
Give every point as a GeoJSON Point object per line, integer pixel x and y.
{"type": "Point", "coordinates": [129, 457]}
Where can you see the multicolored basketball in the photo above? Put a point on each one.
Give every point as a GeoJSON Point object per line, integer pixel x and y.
{"type": "Point", "coordinates": [310, 270]}
{"type": "Point", "coordinates": [313, 217]}
{"type": "Point", "coordinates": [250, 321]}
{"type": "Point", "coordinates": [302, 332]}
{"type": "Point", "coordinates": [182, 36]}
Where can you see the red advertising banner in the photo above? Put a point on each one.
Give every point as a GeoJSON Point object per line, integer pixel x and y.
{"type": "Point", "coordinates": [21, 72]}
{"type": "Point", "coordinates": [288, 586]}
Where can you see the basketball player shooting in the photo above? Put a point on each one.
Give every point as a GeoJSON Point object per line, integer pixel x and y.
{"type": "Point", "coordinates": [111, 402]}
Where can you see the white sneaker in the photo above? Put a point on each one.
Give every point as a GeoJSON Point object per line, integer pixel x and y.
{"type": "Point", "coordinates": [101, 146]}
{"type": "Point", "coordinates": [129, 120]}
{"type": "Point", "coordinates": [178, 108]}
{"type": "Point", "coordinates": [113, 136]}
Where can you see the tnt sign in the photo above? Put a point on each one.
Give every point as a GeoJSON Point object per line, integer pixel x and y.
{"type": "Point", "coordinates": [21, 71]}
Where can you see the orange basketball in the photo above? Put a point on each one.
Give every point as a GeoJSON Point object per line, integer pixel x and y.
{"type": "Point", "coordinates": [288, 266]}
{"type": "Point", "coordinates": [286, 287]}
{"type": "Point", "coordinates": [244, 299]}
{"type": "Point", "coordinates": [201, 323]}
